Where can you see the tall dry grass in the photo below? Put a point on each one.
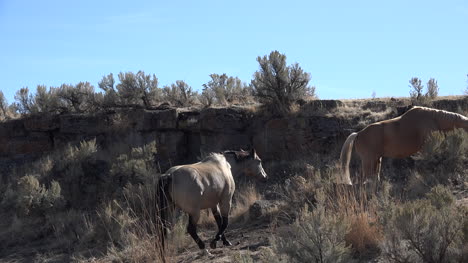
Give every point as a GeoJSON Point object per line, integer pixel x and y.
{"type": "Point", "coordinates": [244, 197]}
{"type": "Point", "coordinates": [361, 210]}
{"type": "Point", "coordinates": [330, 223]}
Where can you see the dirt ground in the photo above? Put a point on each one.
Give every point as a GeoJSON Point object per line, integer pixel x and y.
{"type": "Point", "coordinates": [248, 240]}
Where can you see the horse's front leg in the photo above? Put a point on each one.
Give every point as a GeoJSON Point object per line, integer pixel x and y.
{"type": "Point", "coordinates": [222, 222]}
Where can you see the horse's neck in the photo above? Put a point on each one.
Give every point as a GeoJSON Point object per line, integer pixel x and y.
{"type": "Point", "coordinates": [450, 120]}
{"type": "Point", "coordinates": [460, 122]}
{"type": "Point", "coordinates": [235, 167]}
{"type": "Point", "coordinates": [463, 123]}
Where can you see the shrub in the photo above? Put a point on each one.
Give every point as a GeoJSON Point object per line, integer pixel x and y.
{"type": "Point", "coordinates": [278, 85]}
{"type": "Point", "coordinates": [7, 111]}
{"type": "Point", "coordinates": [432, 89]}
{"type": "Point", "coordinates": [416, 91]}
{"type": "Point", "coordinates": [207, 97]}
{"type": "Point", "coordinates": [101, 215]}
{"type": "Point", "coordinates": [224, 90]}
{"type": "Point", "coordinates": [179, 94]}
{"type": "Point", "coordinates": [315, 236]}
{"type": "Point", "coordinates": [141, 199]}
{"type": "Point", "coordinates": [443, 158]}
{"type": "Point", "coordinates": [440, 197]}
{"type": "Point", "coordinates": [30, 197]}
{"type": "Point", "coordinates": [131, 226]}
{"type": "Point", "coordinates": [25, 103]}
{"type": "Point", "coordinates": [3, 106]}
{"type": "Point", "coordinates": [78, 98]}
{"type": "Point", "coordinates": [66, 98]}
{"type": "Point", "coordinates": [110, 98]}
{"type": "Point", "coordinates": [424, 230]}
{"type": "Point", "coordinates": [138, 89]}
{"type": "Point", "coordinates": [76, 168]}
{"type": "Point", "coordinates": [365, 233]}
{"type": "Point", "coordinates": [137, 165]}
{"type": "Point", "coordinates": [47, 101]}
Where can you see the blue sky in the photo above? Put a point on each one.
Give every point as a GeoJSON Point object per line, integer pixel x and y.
{"type": "Point", "coordinates": [350, 48]}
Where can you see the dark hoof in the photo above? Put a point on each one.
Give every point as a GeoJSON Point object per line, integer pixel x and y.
{"type": "Point", "coordinates": [213, 244]}
{"type": "Point", "coordinates": [227, 243]}
{"type": "Point", "coordinates": [201, 245]}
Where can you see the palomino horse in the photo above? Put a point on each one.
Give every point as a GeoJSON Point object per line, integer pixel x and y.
{"type": "Point", "coordinates": [207, 184]}
{"type": "Point", "coordinates": [396, 138]}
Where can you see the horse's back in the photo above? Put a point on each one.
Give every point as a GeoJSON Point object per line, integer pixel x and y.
{"type": "Point", "coordinates": [199, 186]}
{"type": "Point", "coordinates": [398, 137]}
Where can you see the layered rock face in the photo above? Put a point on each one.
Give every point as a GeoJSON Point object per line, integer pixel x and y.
{"type": "Point", "coordinates": [181, 135]}
{"type": "Point", "coordinates": [184, 135]}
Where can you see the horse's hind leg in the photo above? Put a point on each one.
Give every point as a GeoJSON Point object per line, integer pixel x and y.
{"type": "Point", "coordinates": [222, 223]}
{"type": "Point", "coordinates": [371, 174]}
{"type": "Point", "coordinates": [219, 222]}
{"type": "Point", "coordinates": [192, 230]}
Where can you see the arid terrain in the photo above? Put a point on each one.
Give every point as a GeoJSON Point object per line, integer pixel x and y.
{"type": "Point", "coordinates": [80, 187]}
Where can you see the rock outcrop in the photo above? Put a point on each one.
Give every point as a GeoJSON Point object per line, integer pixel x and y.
{"type": "Point", "coordinates": [185, 135]}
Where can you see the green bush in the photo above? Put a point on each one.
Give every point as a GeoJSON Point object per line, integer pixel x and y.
{"type": "Point", "coordinates": [225, 90]}
{"type": "Point", "coordinates": [440, 197]}
{"type": "Point", "coordinates": [426, 230]}
{"type": "Point", "coordinates": [138, 89]}
{"type": "Point", "coordinates": [179, 94]}
{"type": "Point", "coordinates": [136, 165]}
{"type": "Point", "coordinates": [416, 91]}
{"type": "Point", "coordinates": [28, 196]}
{"type": "Point", "coordinates": [278, 85]}
{"type": "Point", "coordinates": [315, 236]}
{"type": "Point", "coordinates": [443, 158]}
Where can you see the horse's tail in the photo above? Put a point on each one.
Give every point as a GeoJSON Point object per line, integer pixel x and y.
{"type": "Point", "coordinates": [345, 158]}
{"type": "Point", "coordinates": [163, 205]}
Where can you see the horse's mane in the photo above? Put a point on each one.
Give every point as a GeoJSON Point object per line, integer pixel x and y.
{"type": "Point", "coordinates": [217, 157]}
{"type": "Point", "coordinates": [239, 155]}
{"type": "Point", "coordinates": [445, 115]}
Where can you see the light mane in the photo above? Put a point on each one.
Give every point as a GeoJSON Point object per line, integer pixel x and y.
{"type": "Point", "coordinates": [447, 115]}
{"type": "Point", "coordinates": [214, 157]}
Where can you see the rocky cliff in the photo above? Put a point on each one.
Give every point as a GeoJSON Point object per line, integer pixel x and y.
{"type": "Point", "coordinates": [184, 135]}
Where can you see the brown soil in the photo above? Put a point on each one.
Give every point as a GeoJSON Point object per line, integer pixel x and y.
{"type": "Point", "coordinates": [248, 239]}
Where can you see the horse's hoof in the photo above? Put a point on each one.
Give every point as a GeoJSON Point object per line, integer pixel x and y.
{"type": "Point", "coordinates": [227, 243]}
{"type": "Point", "coordinates": [213, 244]}
{"type": "Point", "coordinates": [201, 245]}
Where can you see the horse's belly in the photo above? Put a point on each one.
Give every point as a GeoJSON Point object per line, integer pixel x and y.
{"type": "Point", "coordinates": [209, 199]}
{"type": "Point", "coordinates": [400, 151]}
{"type": "Point", "coordinates": [195, 198]}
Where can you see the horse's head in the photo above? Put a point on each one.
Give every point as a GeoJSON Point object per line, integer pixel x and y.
{"type": "Point", "coordinates": [251, 164]}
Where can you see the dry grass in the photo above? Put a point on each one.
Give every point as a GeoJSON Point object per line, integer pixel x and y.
{"type": "Point", "coordinates": [244, 198]}
{"type": "Point", "coordinates": [350, 205]}
{"type": "Point", "coordinates": [362, 211]}
{"type": "Point", "coordinates": [352, 111]}
{"type": "Point", "coordinates": [206, 219]}
{"type": "Point", "coordinates": [365, 234]}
